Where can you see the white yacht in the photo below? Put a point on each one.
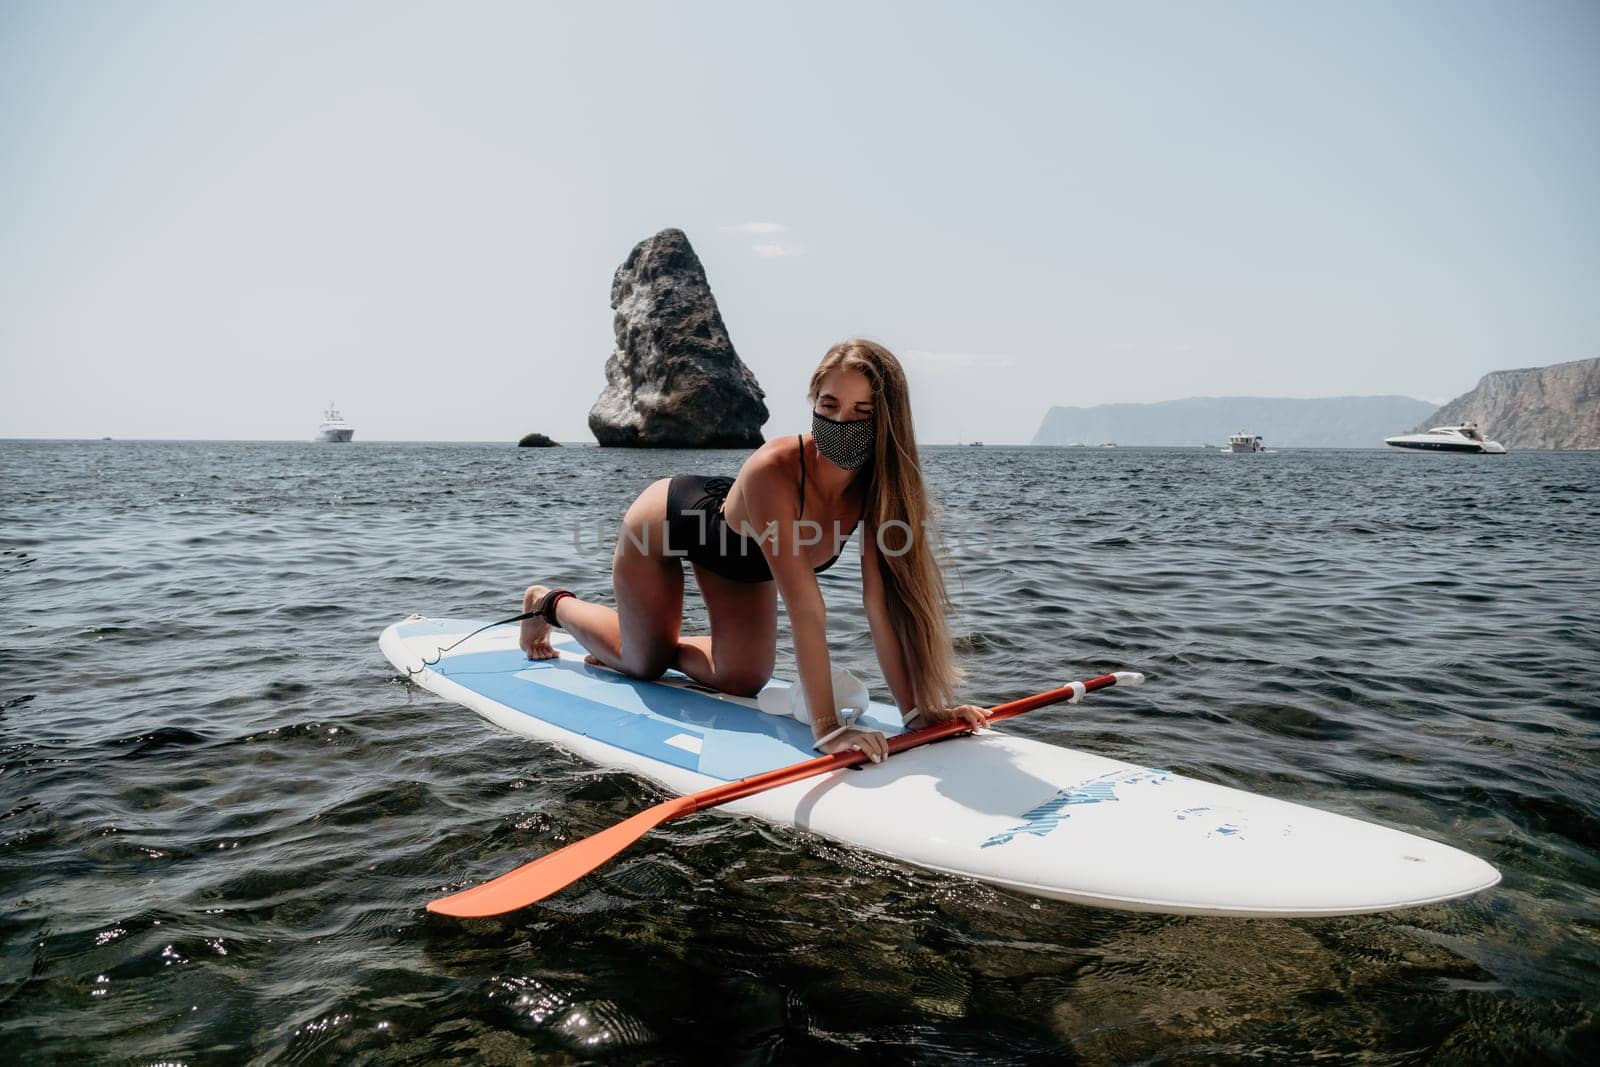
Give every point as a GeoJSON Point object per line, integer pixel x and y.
{"type": "Point", "coordinates": [333, 427]}
{"type": "Point", "coordinates": [1464, 438]}
{"type": "Point", "coordinates": [1245, 442]}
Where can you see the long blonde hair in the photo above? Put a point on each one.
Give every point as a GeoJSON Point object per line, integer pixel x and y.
{"type": "Point", "coordinates": [914, 588]}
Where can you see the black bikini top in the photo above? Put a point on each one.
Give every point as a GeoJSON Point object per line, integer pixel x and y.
{"type": "Point", "coordinates": [800, 438]}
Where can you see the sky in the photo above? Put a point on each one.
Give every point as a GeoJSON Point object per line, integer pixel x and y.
{"type": "Point", "coordinates": [215, 218]}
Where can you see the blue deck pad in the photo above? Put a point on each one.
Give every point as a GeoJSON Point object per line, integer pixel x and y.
{"type": "Point", "coordinates": [878, 716]}
{"type": "Point", "coordinates": [733, 741]}
{"type": "Point", "coordinates": [676, 726]}
{"type": "Point", "coordinates": [885, 717]}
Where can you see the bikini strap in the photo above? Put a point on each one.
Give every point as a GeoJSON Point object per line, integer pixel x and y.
{"type": "Point", "coordinates": [801, 439]}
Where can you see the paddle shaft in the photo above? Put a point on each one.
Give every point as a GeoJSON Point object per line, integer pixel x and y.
{"type": "Point", "coordinates": [758, 783]}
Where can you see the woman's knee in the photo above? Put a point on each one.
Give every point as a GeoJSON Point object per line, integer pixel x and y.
{"type": "Point", "coordinates": [743, 683]}
{"type": "Point", "coordinates": [646, 668]}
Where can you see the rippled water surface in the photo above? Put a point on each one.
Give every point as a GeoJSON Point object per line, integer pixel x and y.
{"type": "Point", "coordinates": [221, 811]}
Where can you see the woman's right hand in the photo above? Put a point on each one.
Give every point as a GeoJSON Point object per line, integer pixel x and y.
{"type": "Point", "coordinates": [872, 742]}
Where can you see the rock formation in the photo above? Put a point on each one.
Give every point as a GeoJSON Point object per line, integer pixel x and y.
{"type": "Point", "coordinates": [674, 380]}
{"type": "Point", "coordinates": [537, 440]}
{"type": "Point", "coordinates": [1537, 407]}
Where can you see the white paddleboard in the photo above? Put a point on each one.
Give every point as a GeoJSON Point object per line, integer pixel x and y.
{"type": "Point", "coordinates": [1025, 815]}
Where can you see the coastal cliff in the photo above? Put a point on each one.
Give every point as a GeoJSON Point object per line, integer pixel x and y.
{"type": "Point", "coordinates": [1537, 407]}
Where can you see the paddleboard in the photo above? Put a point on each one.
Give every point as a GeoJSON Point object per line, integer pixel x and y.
{"type": "Point", "coordinates": [1031, 817]}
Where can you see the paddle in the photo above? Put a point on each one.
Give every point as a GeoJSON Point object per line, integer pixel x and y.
{"type": "Point", "coordinates": [556, 870]}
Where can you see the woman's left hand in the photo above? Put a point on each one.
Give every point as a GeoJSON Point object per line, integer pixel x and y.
{"type": "Point", "coordinates": [973, 715]}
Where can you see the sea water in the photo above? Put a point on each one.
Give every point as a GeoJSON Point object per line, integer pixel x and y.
{"type": "Point", "coordinates": [221, 810]}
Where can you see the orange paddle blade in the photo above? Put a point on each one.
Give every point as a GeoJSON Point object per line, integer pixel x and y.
{"type": "Point", "coordinates": [552, 873]}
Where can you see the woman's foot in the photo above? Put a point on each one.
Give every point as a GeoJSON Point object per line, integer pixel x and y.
{"type": "Point", "coordinates": [534, 639]}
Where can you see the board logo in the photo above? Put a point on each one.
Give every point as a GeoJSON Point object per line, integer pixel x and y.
{"type": "Point", "coordinates": [1042, 818]}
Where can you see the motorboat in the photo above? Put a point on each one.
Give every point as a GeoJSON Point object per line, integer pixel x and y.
{"type": "Point", "coordinates": [1245, 442]}
{"type": "Point", "coordinates": [1464, 438]}
{"type": "Point", "coordinates": [333, 427]}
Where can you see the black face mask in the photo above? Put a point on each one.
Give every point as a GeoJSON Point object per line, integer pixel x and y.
{"type": "Point", "coordinates": [849, 444]}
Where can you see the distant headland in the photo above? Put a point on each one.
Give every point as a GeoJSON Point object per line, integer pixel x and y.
{"type": "Point", "coordinates": [1540, 407]}
{"type": "Point", "coordinates": [1536, 407]}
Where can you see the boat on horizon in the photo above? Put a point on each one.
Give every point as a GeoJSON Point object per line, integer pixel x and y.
{"type": "Point", "coordinates": [334, 429]}
{"type": "Point", "coordinates": [1245, 442]}
{"type": "Point", "coordinates": [1463, 438]}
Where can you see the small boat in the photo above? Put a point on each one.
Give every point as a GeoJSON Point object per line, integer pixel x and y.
{"type": "Point", "coordinates": [1245, 442]}
{"type": "Point", "coordinates": [333, 427]}
{"type": "Point", "coordinates": [1463, 438]}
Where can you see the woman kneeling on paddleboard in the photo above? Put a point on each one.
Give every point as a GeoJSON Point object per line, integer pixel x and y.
{"type": "Point", "coordinates": [760, 535]}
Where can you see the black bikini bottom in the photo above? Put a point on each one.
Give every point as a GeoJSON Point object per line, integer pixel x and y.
{"type": "Point", "coordinates": [695, 527]}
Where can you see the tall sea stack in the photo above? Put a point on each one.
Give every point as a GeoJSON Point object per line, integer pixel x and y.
{"type": "Point", "coordinates": [674, 379]}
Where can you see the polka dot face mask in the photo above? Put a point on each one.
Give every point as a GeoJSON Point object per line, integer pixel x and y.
{"type": "Point", "coordinates": [849, 444]}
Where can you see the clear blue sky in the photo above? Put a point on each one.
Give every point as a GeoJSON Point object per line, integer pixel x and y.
{"type": "Point", "coordinates": [214, 218]}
